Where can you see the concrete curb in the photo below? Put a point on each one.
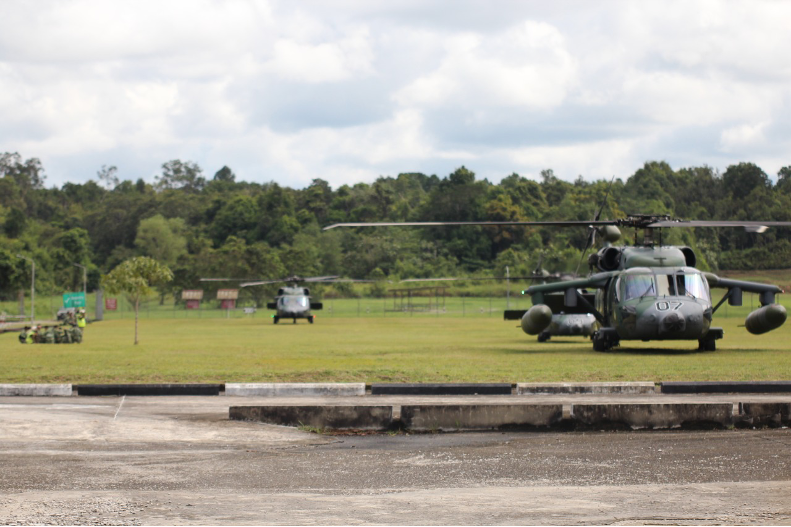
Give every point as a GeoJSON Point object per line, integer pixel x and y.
{"type": "Point", "coordinates": [148, 389]}
{"type": "Point", "coordinates": [461, 388]}
{"type": "Point", "coordinates": [727, 387]}
{"type": "Point", "coordinates": [761, 415]}
{"type": "Point", "coordinates": [369, 417]}
{"type": "Point", "coordinates": [654, 415]}
{"type": "Point", "coordinates": [560, 388]}
{"type": "Point", "coordinates": [36, 390]}
{"type": "Point", "coordinates": [298, 389]}
{"type": "Point", "coordinates": [456, 417]}
{"type": "Point", "coordinates": [479, 416]}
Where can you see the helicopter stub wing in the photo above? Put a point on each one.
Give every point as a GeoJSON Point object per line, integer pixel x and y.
{"type": "Point", "coordinates": [735, 288]}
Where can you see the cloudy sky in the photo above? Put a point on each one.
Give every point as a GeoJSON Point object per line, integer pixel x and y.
{"type": "Point", "coordinates": [350, 90]}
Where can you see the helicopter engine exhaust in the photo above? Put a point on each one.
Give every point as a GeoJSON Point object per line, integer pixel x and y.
{"type": "Point", "coordinates": [536, 319]}
{"type": "Point", "coordinates": [765, 319]}
{"type": "Point", "coordinates": [609, 259]}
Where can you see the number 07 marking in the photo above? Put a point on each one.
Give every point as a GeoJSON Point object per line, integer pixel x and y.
{"type": "Point", "coordinates": [666, 306]}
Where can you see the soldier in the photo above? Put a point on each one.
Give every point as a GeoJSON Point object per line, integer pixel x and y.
{"type": "Point", "coordinates": [81, 322]}
{"type": "Point", "coordinates": [76, 335]}
{"type": "Point", "coordinates": [60, 337]}
{"type": "Point", "coordinates": [32, 335]}
{"type": "Point", "coordinates": [23, 336]}
{"type": "Point", "coordinates": [48, 336]}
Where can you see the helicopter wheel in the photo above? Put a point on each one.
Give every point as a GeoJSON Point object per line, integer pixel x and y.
{"type": "Point", "coordinates": [707, 345]}
{"type": "Point", "coordinates": [544, 336]}
{"type": "Point", "coordinates": [310, 319]}
{"type": "Point", "coordinates": [275, 319]}
{"type": "Point", "coordinates": [601, 343]}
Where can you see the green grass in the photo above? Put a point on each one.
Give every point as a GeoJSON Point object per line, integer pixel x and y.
{"type": "Point", "coordinates": [394, 348]}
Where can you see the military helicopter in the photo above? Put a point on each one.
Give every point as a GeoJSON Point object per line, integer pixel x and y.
{"type": "Point", "coordinates": [293, 300]}
{"type": "Point", "coordinates": [644, 292]}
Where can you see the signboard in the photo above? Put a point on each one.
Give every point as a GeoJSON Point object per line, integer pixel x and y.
{"type": "Point", "coordinates": [227, 294]}
{"type": "Point", "coordinates": [192, 294]}
{"type": "Point", "coordinates": [192, 304]}
{"type": "Point", "coordinates": [111, 304]}
{"type": "Point", "coordinates": [73, 300]}
{"type": "Point", "coordinates": [228, 304]}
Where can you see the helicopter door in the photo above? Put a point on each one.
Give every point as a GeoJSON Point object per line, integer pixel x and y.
{"type": "Point", "coordinates": [611, 300]}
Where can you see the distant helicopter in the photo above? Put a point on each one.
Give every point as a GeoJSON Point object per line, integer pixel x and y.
{"type": "Point", "coordinates": [644, 292]}
{"type": "Point", "coordinates": [293, 300]}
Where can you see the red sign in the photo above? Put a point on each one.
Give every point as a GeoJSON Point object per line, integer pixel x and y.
{"type": "Point", "coordinates": [111, 304]}
{"type": "Point", "coordinates": [192, 304]}
{"type": "Point", "coordinates": [228, 304]}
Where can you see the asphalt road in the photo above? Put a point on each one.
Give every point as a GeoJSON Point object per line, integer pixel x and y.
{"type": "Point", "coordinates": [179, 460]}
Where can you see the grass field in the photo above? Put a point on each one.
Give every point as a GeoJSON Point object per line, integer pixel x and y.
{"type": "Point", "coordinates": [402, 348]}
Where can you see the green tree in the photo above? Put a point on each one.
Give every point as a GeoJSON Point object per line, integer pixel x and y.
{"type": "Point", "coordinates": [108, 176]}
{"type": "Point", "coordinates": [135, 278]}
{"type": "Point", "coordinates": [177, 174]}
{"type": "Point", "coordinates": [162, 239]}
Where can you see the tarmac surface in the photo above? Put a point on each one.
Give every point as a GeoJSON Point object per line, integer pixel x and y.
{"type": "Point", "coordinates": [180, 460]}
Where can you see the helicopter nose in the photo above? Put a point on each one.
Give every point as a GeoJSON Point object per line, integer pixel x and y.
{"type": "Point", "coordinates": [673, 322]}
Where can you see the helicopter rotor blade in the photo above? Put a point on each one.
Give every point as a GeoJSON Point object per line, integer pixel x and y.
{"type": "Point", "coordinates": [570, 223]}
{"type": "Point", "coordinates": [224, 279]}
{"type": "Point", "coordinates": [474, 279]}
{"type": "Point", "coordinates": [259, 282]}
{"type": "Point", "coordinates": [750, 226]}
{"type": "Point", "coordinates": [592, 236]}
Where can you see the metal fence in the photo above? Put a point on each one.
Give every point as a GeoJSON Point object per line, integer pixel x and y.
{"type": "Point", "coordinates": [443, 306]}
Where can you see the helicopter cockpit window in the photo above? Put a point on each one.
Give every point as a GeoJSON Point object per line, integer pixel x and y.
{"type": "Point", "coordinates": [638, 285]}
{"type": "Point", "coordinates": [691, 284]}
{"type": "Point", "coordinates": [664, 285]}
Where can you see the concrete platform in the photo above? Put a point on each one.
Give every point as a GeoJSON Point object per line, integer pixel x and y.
{"type": "Point", "coordinates": [179, 460]}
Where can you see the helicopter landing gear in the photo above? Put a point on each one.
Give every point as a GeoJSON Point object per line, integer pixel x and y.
{"type": "Point", "coordinates": [310, 319]}
{"type": "Point", "coordinates": [275, 319]}
{"type": "Point", "coordinates": [707, 345]}
{"type": "Point", "coordinates": [604, 340]}
{"type": "Point", "coordinates": [544, 336]}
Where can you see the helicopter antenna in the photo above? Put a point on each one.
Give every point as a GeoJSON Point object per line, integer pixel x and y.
{"type": "Point", "coordinates": [592, 236]}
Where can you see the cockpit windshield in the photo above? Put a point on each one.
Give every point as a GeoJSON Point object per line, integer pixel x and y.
{"type": "Point", "coordinates": [691, 285]}
{"type": "Point", "coordinates": [637, 285]}
{"type": "Point", "coordinates": [293, 301]}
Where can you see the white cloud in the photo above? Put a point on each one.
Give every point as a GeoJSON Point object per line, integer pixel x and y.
{"type": "Point", "coordinates": [323, 62]}
{"type": "Point", "coordinates": [351, 90]}
{"type": "Point", "coordinates": [738, 137]}
{"type": "Point", "coordinates": [526, 66]}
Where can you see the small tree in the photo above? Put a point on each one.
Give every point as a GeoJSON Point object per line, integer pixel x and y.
{"type": "Point", "coordinates": [135, 277]}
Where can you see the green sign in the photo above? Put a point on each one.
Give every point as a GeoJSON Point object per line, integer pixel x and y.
{"type": "Point", "coordinates": [73, 300]}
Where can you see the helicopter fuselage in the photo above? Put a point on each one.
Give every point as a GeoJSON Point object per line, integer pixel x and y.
{"type": "Point", "coordinates": [660, 303]}
{"type": "Point", "coordinates": [293, 302]}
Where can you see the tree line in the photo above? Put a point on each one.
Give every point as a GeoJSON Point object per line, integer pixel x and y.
{"type": "Point", "coordinates": [217, 226]}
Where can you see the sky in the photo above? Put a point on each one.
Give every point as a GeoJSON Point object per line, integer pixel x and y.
{"type": "Point", "coordinates": [349, 91]}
